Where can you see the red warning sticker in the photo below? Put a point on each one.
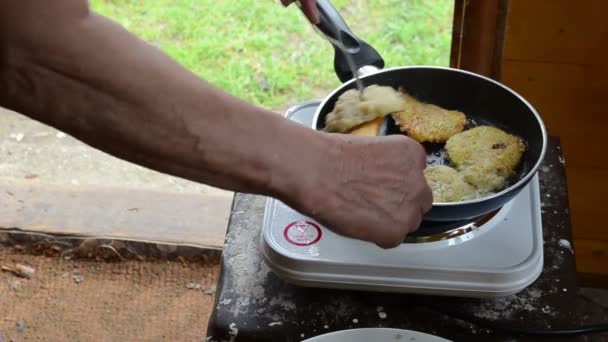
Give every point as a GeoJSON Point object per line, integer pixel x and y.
{"type": "Point", "coordinates": [302, 233]}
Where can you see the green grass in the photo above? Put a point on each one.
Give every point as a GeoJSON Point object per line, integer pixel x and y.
{"type": "Point", "coordinates": [269, 55]}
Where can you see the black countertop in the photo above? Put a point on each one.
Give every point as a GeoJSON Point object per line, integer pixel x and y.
{"type": "Point", "coordinates": [253, 304]}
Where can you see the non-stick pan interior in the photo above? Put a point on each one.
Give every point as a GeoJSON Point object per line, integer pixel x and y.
{"type": "Point", "coordinates": [483, 101]}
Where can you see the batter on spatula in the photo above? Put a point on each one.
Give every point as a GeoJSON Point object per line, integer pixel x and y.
{"type": "Point", "coordinates": [352, 109]}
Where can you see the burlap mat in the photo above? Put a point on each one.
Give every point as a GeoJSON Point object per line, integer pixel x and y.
{"type": "Point", "coordinates": [88, 300]}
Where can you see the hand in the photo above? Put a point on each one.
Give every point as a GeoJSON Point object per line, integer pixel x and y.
{"type": "Point", "coordinates": [309, 7]}
{"type": "Point", "coordinates": [370, 188]}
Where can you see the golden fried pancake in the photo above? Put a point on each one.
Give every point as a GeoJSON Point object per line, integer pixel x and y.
{"type": "Point", "coordinates": [486, 156]}
{"type": "Point", "coordinates": [448, 185]}
{"type": "Point", "coordinates": [426, 122]}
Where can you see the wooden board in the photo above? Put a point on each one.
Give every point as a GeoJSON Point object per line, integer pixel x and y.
{"type": "Point", "coordinates": [157, 217]}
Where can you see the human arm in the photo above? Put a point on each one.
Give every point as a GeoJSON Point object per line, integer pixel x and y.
{"type": "Point", "coordinates": [83, 74]}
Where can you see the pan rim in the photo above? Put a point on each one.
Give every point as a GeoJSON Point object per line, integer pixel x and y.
{"type": "Point", "coordinates": [519, 184]}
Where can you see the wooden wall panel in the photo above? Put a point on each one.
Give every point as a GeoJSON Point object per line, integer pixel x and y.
{"type": "Point", "coordinates": [592, 258]}
{"type": "Point", "coordinates": [588, 188]}
{"type": "Point", "coordinates": [555, 56]}
{"type": "Point", "coordinates": [573, 102]}
{"type": "Point", "coordinates": [557, 31]}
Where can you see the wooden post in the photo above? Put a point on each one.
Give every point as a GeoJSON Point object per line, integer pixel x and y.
{"type": "Point", "coordinates": [478, 36]}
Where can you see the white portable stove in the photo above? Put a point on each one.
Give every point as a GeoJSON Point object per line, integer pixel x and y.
{"type": "Point", "coordinates": [498, 255]}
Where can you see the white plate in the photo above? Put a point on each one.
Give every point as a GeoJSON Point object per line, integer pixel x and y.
{"type": "Point", "coordinates": [376, 335]}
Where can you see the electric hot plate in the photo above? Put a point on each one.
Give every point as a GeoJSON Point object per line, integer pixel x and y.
{"type": "Point", "coordinates": [496, 255]}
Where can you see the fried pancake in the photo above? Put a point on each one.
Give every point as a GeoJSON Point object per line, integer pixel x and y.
{"type": "Point", "coordinates": [426, 122]}
{"type": "Point", "coordinates": [448, 185]}
{"type": "Point", "coordinates": [484, 177]}
{"type": "Point", "coordinates": [368, 129]}
{"type": "Point", "coordinates": [486, 156]}
{"type": "Point", "coordinates": [351, 110]}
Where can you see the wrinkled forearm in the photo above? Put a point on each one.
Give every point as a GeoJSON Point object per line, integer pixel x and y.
{"type": "Point", "coordinates": [87, 76]}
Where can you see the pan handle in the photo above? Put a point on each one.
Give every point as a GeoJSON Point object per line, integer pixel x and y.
{"type": "Point", "coordinates": [364, 57]}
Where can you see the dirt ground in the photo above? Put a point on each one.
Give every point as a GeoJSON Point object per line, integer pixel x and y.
{"type": "Point", "coordinates": [69, 300]}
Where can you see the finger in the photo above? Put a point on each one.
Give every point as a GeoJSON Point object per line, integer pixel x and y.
{"type": "Point", "coordinates": [392, 238]}
{"type": "Point", "coordinates": [380, 234]}
{"type": "Point", "coordinates": [427, 199]}
{"type": "Point", "coordinates": [421, 154]}
{"type": "Point", "coordinates": [388, 244]}
{"type": "Point", "coordinates": [416, 220]}
{"type": "Point", "coordinates": [416, 150]}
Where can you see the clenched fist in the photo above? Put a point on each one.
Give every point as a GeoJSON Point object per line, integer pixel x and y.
{"type": "Point", "coordinates": [369, 188]}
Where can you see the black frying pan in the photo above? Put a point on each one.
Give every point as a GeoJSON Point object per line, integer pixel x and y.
{"type": "Point", "coordinates": [483, 100]}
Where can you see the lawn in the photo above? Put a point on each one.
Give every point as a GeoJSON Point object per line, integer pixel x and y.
{"type": "Point", "coordinates": [269, 55]}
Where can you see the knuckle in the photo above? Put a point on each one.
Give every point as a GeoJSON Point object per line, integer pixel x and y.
{"type": "Point", "coordinates": [418, 152]}
{"type": "Point", "coordinates": [413, 150]}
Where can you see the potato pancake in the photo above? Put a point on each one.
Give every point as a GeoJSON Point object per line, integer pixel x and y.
{"type": "Point", "coordinates": [448, 185]}
{"type": "Point", "coordinates": [486, 156]}
{"type": "Point", "coordinates": [426, 122]}
{"type": "Point", "coordinates": [484, 178]}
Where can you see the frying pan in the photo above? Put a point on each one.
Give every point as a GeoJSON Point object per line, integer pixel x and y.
{"type": "Point", "coordinates": [483, 100]}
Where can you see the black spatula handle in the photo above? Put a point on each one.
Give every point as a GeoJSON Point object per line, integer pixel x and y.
{"type": "Point", "coordinates": [332, 25]}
